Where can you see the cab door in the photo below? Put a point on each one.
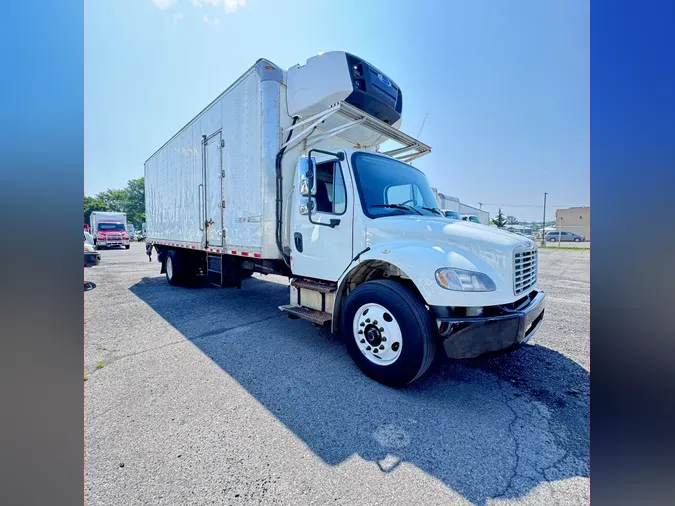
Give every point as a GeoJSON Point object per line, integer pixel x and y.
{"type": "Point", "coordinates": [321, 239]}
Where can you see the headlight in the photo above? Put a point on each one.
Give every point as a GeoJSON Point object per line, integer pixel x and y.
{"type": "Point", "coordinates": [464, 281]}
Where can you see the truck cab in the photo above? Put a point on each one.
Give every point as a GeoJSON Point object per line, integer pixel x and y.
{"type": "Point", "coordinates": [370, 225]}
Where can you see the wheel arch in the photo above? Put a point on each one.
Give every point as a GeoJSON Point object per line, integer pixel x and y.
{"type": "Point", "coordinates": [364, 271]}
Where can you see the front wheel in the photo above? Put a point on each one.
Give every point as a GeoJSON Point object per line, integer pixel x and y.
{"type": "Point", "coordinates": [389, 332]}
{"type": "Point", "coordinates": [576, 239]}
{"type": "Point", "coordinates": [127, 246]}
{"type": "Point", "coordinates": [552, 239]}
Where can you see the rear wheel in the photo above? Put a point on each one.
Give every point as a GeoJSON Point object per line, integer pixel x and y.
{"type": "Point", "coordinates": [552, 239]}
{"type": "Point", "coordinates": [173, 268]}
{"type": "Point", "coordinates": [389, 332]}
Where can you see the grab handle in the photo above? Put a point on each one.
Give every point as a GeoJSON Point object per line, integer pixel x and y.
{"type": "Point", "coordinates": [201, 206]}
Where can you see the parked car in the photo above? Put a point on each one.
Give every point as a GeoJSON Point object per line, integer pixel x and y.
{"type": "Point", "coordinates": [472, 218]}
{"type": "Point", "coordinates": [91, 256]}
{"type": "Point", "coordinates": [89, 239]}
{"type": "Point", "coordinates": [452, 214]}
{"type": "Point", "coordinates": [559, 235]}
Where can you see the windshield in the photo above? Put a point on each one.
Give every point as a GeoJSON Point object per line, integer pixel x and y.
{"type": "Point", "coordinates": [475, 219]}
{"type": "Point", "coordinates": [388, 187]}
{"type": "Point", "coordinates": [453, 215]}
{"type": "Point", "coordinates": [111, 226]}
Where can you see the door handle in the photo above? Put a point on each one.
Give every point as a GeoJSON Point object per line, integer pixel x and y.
{"type": "Point", "coordinates": [297, 237]}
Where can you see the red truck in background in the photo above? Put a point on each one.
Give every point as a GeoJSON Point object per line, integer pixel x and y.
{"type": "Point", "coordinates": [109, 229]}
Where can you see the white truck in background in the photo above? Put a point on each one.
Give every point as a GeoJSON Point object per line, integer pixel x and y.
{"type": "Point", "coordinates": [282, 174]}
{"type": "Point", "coordinates": [109, 229]}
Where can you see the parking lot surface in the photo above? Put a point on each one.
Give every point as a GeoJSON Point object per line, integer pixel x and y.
{"type": "Point", "coordinates": [213, 396]}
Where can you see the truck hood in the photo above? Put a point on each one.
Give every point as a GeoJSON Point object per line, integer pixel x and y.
{"type": "Point", "coordinates": [478, 244]}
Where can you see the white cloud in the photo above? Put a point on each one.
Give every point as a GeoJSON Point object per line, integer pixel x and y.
{"type": "Point", "coordinates": [177, 17]}
{"type": "Point", "coordinates": [163, 4]}
{"type": "Point", "coordinates": [230, 6]}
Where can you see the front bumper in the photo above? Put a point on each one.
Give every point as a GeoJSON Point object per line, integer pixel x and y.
{"type": "Point", "coordinates": [471, 337]}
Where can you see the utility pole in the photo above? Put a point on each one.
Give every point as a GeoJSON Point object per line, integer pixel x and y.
{"type": "Point", "coordinates": [480, 205]}
{"type": "Point", "coordinates": [543, 223]}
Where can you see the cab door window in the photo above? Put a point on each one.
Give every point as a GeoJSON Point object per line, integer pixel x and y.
{"type": "Point", "coordinates": [331, 194]}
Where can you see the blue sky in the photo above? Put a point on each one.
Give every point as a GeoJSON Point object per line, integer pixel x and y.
{"type": "Point", "coordinates": [505, 84]}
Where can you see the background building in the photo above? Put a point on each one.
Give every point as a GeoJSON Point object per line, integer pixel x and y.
{"type": "Point", "coordinates": [453, 204]}
{"type": "Point", "coordinates": [574, 219]}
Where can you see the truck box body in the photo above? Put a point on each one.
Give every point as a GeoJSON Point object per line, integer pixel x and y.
{"type": "Point", "coordinates": [226, 155]}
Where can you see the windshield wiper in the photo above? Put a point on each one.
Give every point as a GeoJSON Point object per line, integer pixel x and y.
{"type": "Point", "coordinates": [433, 210]}
{"type": "Point", "coordinates": [398, 206]}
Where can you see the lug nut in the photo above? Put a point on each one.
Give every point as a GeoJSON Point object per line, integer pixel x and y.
{"type": "Point", "coordinates": [375, 350]}
{"type": "Point", "coordinates": [382, 346]}
{"type": "Point", "coordinates": [381, 329]}
{"type": "Point", "coordinates": [368, 348]}
{"type": "Point", "coordinates": [374, 322]}
{"type": "Point", "coordinates": [360, 331]}
{"type": "Point", "coordinates": [384, 338]}
{"type": "Point", "coordinates": [363, 341]}
{"type": "Point", "coordinates": [367, 320]}
{"type": "Point", "coordinates": [362, 324]}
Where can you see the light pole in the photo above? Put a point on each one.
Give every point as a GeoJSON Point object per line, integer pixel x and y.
{"type": "Point", "coordinates": [543, 224]}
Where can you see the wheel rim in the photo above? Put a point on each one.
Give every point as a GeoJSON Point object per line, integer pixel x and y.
{"type": "Point", "coordinates": [169, 268]}
{"type": "Point", "coordinates": [377, 334]}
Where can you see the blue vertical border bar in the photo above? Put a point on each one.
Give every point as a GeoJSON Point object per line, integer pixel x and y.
{"type": "Point", "coordinates": [41, 193]}
{"type": "Point", "coordinates": [633, 259]}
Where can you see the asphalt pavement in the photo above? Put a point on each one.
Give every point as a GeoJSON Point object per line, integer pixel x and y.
{"type": "Point", "coordinates": [213, 396]}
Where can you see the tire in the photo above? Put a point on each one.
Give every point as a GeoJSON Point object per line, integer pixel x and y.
{"type": "Point", "coordinates": [576, 239]}
{"type": "Point", "coordinates": [174, 268]}
{"type": "Point", "coordinates": [552, 239]}
{"type": "Point", "coordinates": [127, 246]}
{"type": "Point", "coordinates": [403, 310]}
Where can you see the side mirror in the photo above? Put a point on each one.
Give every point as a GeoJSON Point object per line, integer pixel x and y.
{"type": "Point", "coordinates": [306, 205]}
{"type": "Point", "coordinates": [307, 176]}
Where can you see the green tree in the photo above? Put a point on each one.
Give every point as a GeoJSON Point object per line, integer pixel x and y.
{"type": "Point", "coordinates": [511, 220]}
{"type": "Point", "coordinates": [114, 199]}
{"type": "Point", "coordinates": [134, 202]}
{"type": "Point", "coordinates": [499, 220]}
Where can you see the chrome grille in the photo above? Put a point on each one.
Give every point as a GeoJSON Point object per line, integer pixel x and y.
{"type": "Point", "coordinates": [524, 270]}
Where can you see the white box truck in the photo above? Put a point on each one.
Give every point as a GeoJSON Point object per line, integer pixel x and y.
{"type": "Point", "coordinates": [109, 229]}
{"type": "Point", "coordinates": [282, 174]}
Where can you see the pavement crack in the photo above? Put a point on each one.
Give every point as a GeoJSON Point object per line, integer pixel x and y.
{"type": "Point", "coordinates": [235, 327]}
{"type": "Point", "coordinates": [516, 464]}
